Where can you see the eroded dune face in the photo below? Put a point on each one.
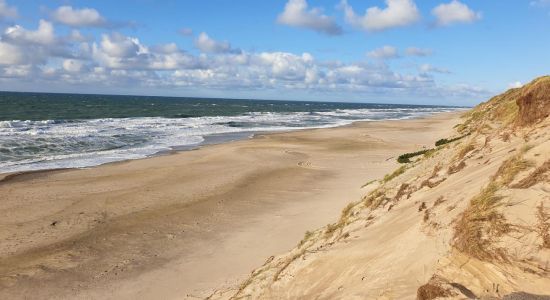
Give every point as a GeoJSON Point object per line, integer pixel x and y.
{"type": "Point", "coordinates": [534, 102]}
{"type": "Point", "coordinates": [468, 219]}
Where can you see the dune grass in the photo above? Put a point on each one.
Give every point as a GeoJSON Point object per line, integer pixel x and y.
{"type": "Point", "coordinates": [456, 168]}
{"type": "Point", "coordinates": [342, 221]}
{"type": "Point", "coordinates": [369, 183]}
{"type": "Point", "coordinates": [481, 225]}
{"type": "Point", "coordinates": [375, 198]}
{"type": "Point", "coordinates": [394, 174]}
{"type": "Point", "coordinates": [538, 175]}
{"type": "Point", "coordinates": [511, 167]}
{"type": "Point", "coordinates": [465, 150]}
{"type": "Point", "coordinates": [543, 225]}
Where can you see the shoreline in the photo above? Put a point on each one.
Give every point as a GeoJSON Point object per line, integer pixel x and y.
{"type": "Point", "coordinates": [210, 140]}
{"type": "Point", "coordinates": [183, 224]}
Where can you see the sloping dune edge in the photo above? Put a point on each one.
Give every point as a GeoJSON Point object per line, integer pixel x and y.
{"type": "Point", "coordinates": [469, 219]}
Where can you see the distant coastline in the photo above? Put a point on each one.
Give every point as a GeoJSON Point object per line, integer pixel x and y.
{"type": "Point", "coordinates": [43, 131]}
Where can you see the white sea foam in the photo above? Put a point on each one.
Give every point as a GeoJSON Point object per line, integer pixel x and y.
{"type": "Point", "coordinates": [47, 144]}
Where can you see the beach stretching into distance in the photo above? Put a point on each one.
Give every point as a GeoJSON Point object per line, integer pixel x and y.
{"type": "Point", "coordinates": [189, 222]}
{"type": "Point", "coordinates": [275, 150]}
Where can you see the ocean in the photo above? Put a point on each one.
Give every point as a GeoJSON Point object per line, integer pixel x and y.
{"type": "Point", "coordinates": [48, 131]}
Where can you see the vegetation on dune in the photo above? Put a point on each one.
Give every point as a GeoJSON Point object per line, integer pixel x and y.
{"type": "Point", "coordinates": [533, 103]}
{"type": "Point", "coordinates": [405, 158]}
{"type": "Point", "coordinates": [465, 150]}
{"type": "Point", "coordinates": [306, 238]}
{"type": "Point", "coordinates": [481, 225]}
{"type": "Point", "coordinates": [540, 174]}
{"type": "Point", "coordinates": [431, 291]}
{"type": "Point", "coordinates": [369, 183]}
{"type": "Point", "coordinates": [511, 167]}
{"type": "Point", "coordinates": [444, 141]}
{"type": "Point", "coordinates": [501, 108]}
{"type": "Point", "coordinates": [517, 106]}
{"type": "Point", "coordinates": [456, 168]}
{"type": "Point", "coordinates": [375, 198]}
{"type": "Point", "coordinates": [479, 230]}
{"type": "Point", "coordinates": [543, 226]}
{"type": "Point", "coordinates": [342, 221]}
{"type": "Point", "coordinates": [394, 174]}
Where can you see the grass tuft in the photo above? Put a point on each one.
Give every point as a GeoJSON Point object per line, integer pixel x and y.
{"type": "Point", "coordinates": [394, 174]}
{"type": "Point", "coordinates": [344, 218]}
{"type": "Point", "coordinates": [540, 174]}
{"type": "Point", "coordinates": [480, 225]}
{"type": "Point", "coordinates": [510, 168]}
{"type": "Point", "coordinates": [375, 198]}
{"type": "Point", "coordinates": [456, 168]}
{"type": "Point", "coordinates": [543, 225]}
{"type": "Point", "coordinates": [431, 291]}
{"type": "Point", "coordinates": [465, 150]}
{"type": "Point", "coordinates": [369, 183]}
{"type": "Point", "coordinates": [306, 238]}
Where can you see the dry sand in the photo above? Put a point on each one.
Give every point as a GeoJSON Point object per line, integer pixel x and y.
{"type": "Point", "coordinates": [180, 225]}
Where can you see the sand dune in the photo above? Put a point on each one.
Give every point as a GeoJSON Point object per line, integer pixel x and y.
{"type": "Point", "coordinates": [469, 219]}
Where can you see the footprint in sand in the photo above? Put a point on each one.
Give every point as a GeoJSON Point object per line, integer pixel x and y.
{"type": "Point", "coordinates": [305, 164]}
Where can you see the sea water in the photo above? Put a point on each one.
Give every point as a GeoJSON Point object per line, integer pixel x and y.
{"type": "Point", "coordinates": [47, 131]}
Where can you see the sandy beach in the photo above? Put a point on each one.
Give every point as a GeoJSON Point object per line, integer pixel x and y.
{"type": "Point", "coordinates": [181, 225]}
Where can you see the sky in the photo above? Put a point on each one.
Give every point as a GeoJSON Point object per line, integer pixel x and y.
{"type": "Point", "coordinates": [450, 52]}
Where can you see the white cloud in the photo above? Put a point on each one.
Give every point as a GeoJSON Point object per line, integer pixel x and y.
{"type": "Point", "coordinates": [19, 45]}
{"type": "Point", "coordinates": [123, 62]}
{"type": "Point", "coordinates": [43, 35]}
{"type": "Point", "coordinates": [427, 68]}
{"type": "Point", "coordinates": [73, 65]}
{"type": "Point", "coordinates": [209, 45]}
{"type": "Point", "coordinates": [118, 45]}
{"type": "Point", "coordinates": [76, 36]}
{"type": "Point", "coordinates": [18, 71]}
{"type": "Point", "coordinates": [118, 51]}
{"type": "Point", "coordinates": [454, 12]}
{"type": "Point", "coordinates": [385, 52]}
{"type": "Point", "coordinates": [414, 51]}
{"type": "Point", "coordinates": [10, 54]}
{"type": "Point", "coordinates": [296, 14]}
{"type": "Point", "coordinates": [84, 17]}
{"type": "Point", "coordinates": [7, 11]}
{"type": "Point", "coordinates": [515, 85]}
{"type": "Point", "coordinates": [398, 13]}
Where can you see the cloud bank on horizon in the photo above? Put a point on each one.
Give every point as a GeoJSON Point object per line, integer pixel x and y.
{"type": "Point", "coordinates": [393, 52]}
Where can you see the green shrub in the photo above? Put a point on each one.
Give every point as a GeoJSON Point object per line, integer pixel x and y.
{"type": "Point", "coordinates": [441, 142]}
{"type": "Point", "coordinates": [405, 158]}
